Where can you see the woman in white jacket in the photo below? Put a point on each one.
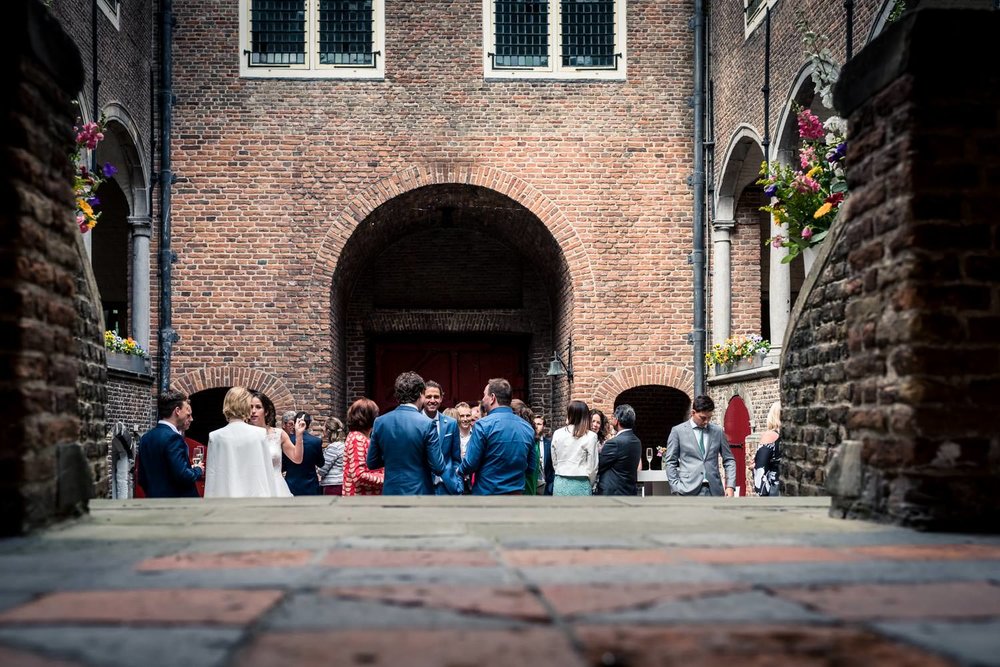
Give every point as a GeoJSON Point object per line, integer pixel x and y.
{"type": "Point", "coordinates": [574, 453]}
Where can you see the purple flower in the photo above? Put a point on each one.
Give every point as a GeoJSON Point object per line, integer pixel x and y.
{"type": "Point", "coordinates": [837, 153]}
{"type": "Point", "coordinates": [109, 170]}
{"type": "Point", "coordinates": [771, 190]}
{"type": "Point", "coordinates": [93, 201]}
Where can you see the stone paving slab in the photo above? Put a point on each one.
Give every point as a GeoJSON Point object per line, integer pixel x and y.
{"type": "Point", "coordinates": [519, 581]}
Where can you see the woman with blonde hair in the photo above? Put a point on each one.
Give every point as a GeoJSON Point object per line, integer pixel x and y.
{"type": "Point", "coordinates": [331, 473]}
{"type": "Point", "coordinates": [767, 460]}
{"type": "Point", "coordinates": [239, 461]}
{"type": "Point", "coordinates": [574, 453]}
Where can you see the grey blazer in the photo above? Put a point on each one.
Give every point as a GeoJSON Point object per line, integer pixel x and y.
{"type": "Point", "coordinates": [685, 466]}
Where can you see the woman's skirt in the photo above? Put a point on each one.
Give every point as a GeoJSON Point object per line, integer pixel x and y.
{"type": "Point", "coordinates": [571, 486]}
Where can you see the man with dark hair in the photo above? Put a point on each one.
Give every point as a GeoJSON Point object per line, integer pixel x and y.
{"type": "Point", "coordinates": [405, 443]}
{"type": "Point", "coordinates": [618, 462]}
{"type": "Point", "coordinates": [164, 470]}
{"type": "Point", "coordinates": [301, 477]}
{"type": "Point", "coordinates": [544, 443]}
{"type": "Point", "coordinates": [447, 430]}
{"type": "Point", "coordinates": [693, 451]}
{"type": "Point", "coordinates": [501, 452]}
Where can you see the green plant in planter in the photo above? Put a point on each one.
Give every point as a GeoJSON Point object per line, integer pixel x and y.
{"type": "Point", "coordinates": [115, 343]}
{"type": "Point", "coordinates": [736, 348]}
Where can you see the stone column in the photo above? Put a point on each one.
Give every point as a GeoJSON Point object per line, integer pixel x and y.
{"type": "Point", "coordinates": [141, 226]}
{"type": "Point", "coordinates": [722, 279]}
{"type": "Point", "coordinates": [780, 290]}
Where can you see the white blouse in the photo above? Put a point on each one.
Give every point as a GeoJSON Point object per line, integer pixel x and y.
{"type": "Point", "coordinates": [574, 457]}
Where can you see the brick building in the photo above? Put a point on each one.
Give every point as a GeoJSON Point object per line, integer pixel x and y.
{"type": "Point", "coordinates": [751, 290]}
{"type": "Point", "coordinates": [432, 203]}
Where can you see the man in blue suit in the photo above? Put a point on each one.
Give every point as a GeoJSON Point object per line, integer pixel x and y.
{"type": "Point", "coordinates": [501, 451]}
{"type": "Point", "coordinates": [405, 442]}
{"type": "Point", "coordinates": [164, 468]}
{"type": "Point", "coordinates": [301, 478]}
{"type": "Point", "coordinates": [546, 471]}
{"type": "Point", "coordinates": [447, 430]}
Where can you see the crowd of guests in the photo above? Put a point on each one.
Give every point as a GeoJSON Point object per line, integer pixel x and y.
{"type": "Point", "coordinates": [497, 446]}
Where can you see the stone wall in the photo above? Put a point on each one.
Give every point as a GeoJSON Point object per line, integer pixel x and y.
{"type": "Point", "coordinates": [44, 471]}
{"type": "Point", "coordinates": [892, 371]}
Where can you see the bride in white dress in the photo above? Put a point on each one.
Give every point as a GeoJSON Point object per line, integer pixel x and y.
{"type": "Point", "coordinates": [263, 414]}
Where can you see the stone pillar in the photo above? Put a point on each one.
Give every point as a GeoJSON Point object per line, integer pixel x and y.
{"type": "Point", "coordinates": [141, 229]}
{"type": "Point", "coordinates": [892, 372]}
{"type": "Point", "coordinates": [780, 290]}
{"type": "Point", "coordinates": [722, 279]}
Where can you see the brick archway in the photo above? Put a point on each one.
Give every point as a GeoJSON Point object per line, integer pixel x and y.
{"type": "Point", "coordinates": [637, 376]}
{"type": "Point", "coordinates": [231, 376]}
{"type": "Point", "coordinates": [366, 201]}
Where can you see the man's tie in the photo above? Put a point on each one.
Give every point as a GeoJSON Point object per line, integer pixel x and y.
{"type": "Point", "coordinates": [701, 440]}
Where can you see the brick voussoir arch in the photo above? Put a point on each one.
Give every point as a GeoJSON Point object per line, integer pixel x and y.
{"type": "Point", "coordinates": [366, 201]}
{"type": "Point", "coordinates": [638, 376]}
{"type": "Point", "coordinates": [233, 376]}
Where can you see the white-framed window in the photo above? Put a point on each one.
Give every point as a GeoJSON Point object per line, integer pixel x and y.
{"type": "Point", "coordinates": [753, 14]}
{"type": "Point", "coordinates": [554, 39]}
{"type": "Point", "coordinates": [312, 39]}
{"type": "Point", "coordinates": [111, 9]}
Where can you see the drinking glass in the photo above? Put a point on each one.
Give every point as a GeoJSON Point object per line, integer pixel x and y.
{"type": "Point", "coordinates": [198, 456]}
{"type": "Point", "coordinates": [649, 458]}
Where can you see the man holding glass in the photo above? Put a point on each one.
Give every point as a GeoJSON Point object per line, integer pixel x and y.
{"type": "Point", "coordinates": [618, 462]}
{"type": "Point", "coordinates": [164, 470]}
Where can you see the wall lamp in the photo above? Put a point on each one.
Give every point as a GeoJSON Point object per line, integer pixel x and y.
{"type": "Point", "coordinates": [557, 367]}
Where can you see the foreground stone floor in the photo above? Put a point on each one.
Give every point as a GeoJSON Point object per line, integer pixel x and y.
{"type": "Point", "coordinates": [511, 581]}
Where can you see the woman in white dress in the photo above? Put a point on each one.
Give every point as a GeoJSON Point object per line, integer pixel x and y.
{"type": "Point", "coordinates": [574, 453]}
{"type": "Point", "coordinates": [263, 414]}
{"type": "Point", "coordinates": [238, 461]}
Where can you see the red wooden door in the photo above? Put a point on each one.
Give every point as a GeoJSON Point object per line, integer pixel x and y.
{"type": "Point", "coordinates": [462, 368]}
{"type": "Point", "coordinates": [737, 427]}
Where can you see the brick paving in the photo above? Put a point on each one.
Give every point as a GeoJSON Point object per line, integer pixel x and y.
{"type": "Point", "coordinates": [513, 581]}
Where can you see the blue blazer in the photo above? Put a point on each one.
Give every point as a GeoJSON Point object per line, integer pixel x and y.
{"type": "Point", "coordinates": [301, 477]}
{"type": "Point", "coordinates": [164, 468]}
{"type": "Point", "coordinates": [549, 471]}
{"type": "Point", "coordinates": [406, 444]}
{"type": "Point", "coordinates": [451, 444]}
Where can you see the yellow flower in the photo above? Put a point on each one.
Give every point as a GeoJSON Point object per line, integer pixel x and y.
{"type": "Point", "coordinates": [815, 170]}
{"type": "Point", "coordinates": [85, 207]}
{"type": "Point", "coordinates": [823, 210]}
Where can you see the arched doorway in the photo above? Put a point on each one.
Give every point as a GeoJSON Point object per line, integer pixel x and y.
{"type": "Point", "coordinates": [111, 257]}
{"type": "Point", "coordinates": [658, 409]}
{"type": "Point", "coordinates": [206, 408]}
{"type": "Point", "coordinates": [458, 282]}
{"type": "Point", "coordinates": [736, 423]}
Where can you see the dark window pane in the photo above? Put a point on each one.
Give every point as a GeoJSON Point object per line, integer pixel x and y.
{"type": "Point", "coordinates": [521, 31]}
{"type": "Point", "coordinates": [346, 30]}
{"type": "Point", "coordinates": [588, 33]}
{"type": "Point", "coordinates": [277, 32]}
{"type": "Point", "coordinates": [753, 6]}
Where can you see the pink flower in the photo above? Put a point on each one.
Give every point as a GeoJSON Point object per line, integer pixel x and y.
{"type": "Point", "coordinates": [804, 184]}
{"type": "Point", "coordinates": [807, 233]}
{"type": "Point", "coordinates": [807, 155]}
{"type": "Point", "coordinates": [778, 241]}
{"type": "Point", "coordinates": [809, 125]}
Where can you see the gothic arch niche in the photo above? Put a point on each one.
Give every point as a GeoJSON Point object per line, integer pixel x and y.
{"type": "Point", "coordinates": [441, 277]}
{"type": "Point", "coordinates": [658, 409]}
{"type": "Point", "coordinates": [110, 256]}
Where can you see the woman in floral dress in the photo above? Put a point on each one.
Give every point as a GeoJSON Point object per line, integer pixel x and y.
{"type": "Point", "coordinates": [358, 479]}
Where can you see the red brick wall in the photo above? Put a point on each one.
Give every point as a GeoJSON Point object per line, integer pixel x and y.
{"type": "Point", "coordinates": [747, 248]}
{"type": "Point", "coordinates": [281, 184]}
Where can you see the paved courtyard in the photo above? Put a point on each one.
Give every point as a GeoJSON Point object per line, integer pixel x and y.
{"type": "Point", "coordinates": [510, 581]}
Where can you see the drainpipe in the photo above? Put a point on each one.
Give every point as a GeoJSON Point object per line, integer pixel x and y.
{"type": "Point", "coordinates": [95, 83]}
{"type": "Point", "coordinates": [167, 257]}
{"type": "Point", "coordinates": [698, 182]}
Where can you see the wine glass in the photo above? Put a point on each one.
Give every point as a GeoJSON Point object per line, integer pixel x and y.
{"type": "Point", "coordinates": [198, 456]}
{"type": "Point", "coordinates": [649, 458]}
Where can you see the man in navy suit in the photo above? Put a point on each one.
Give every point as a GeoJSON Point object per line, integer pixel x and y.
{"type": "Point", "coordinates": [405, 442]}
{"type": "Point", "coordinates": [544, 446]}
{"type": "Point", "coordinates": [447, 430]}
{"type": "Point", "coordinates": [164, 468]}
{"type": "Point", "coordinates": [301, 478]}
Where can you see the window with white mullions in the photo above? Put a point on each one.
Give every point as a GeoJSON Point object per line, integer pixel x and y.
{"type": "Point", "coordinates": [588, 33]}
{"type": "Point", "coordinates": [555, 39]}
{"type": "Point", "coordinates": [278, 32]}
{"type": "Point", "coordinates": [345, 32]}
{"type": "Point", "coordinates": [312, 38]}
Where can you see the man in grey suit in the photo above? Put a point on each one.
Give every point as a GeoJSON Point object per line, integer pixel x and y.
{"type": "Point", "coordinates": [693, 451]}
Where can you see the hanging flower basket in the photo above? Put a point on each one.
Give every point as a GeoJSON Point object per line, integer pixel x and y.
{"type": "Point", "coordinates": [128, 362]}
